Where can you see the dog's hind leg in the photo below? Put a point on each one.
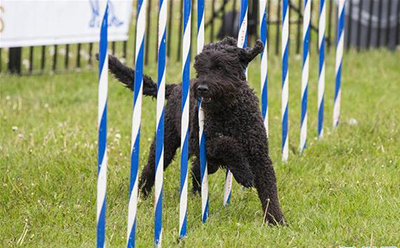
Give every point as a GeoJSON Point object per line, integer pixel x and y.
{"type": "Point", "coordinates": [230, 152]}
{"type": "Point", "coordinates": [172, 142]}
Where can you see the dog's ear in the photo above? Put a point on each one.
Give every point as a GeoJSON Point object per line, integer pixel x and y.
{"type": "Point", "coordinates": [248, 54]}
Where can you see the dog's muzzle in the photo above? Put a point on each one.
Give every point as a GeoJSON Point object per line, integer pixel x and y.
{"type": "Point", "coordinates": [204, 93]}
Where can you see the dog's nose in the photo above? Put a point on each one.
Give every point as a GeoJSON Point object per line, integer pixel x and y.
{"type": "Point", "coordinates": [202, 89]}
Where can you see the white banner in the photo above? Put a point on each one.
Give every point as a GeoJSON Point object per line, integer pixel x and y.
{"type": "Point", "coordinates": [31, 23]}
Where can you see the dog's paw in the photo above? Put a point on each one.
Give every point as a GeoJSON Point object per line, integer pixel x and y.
{"type": "Point", "coordinates": [244, 177]}
{"type": "Point", "coordinates": [276, 221]}
{"type": "Point", "coordinates": [144, 193]}
{"type": "Point", "coordinates": [196, 190]}
{"type": "Point", "coordinates": [145, 188]}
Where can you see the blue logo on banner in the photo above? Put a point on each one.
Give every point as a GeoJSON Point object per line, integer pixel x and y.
{"type": "Point", "coordinates": [96, 19]}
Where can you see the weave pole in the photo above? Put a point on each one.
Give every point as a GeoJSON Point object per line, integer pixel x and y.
{"type": "Point", "coordinates": [136, 116]}
{"type": "Point", "coordinates": [203, 167]}
{"type": "Point", "coordinates": [187, 8]}
{"type": "Point", "coordinates": [264, 63]}
{"type": "Point", "coordinates": [321, 72]}
{"type": "Point", "coordinates": [285, 80]}
{"type": "Point", "coordinates": [159, 166]}
{"type": "Point", "coordinates": [339, 60]}
{"type": "Point", "coordinates": [304, 77]}
{"type": "Point", "coordinates": [202, 136]}
{"type": "Point", "coordinates": [242, 43]}
{"type": "Point", "coordinates": [102, 129]}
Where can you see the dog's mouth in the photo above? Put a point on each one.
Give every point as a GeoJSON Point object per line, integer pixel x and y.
{"type": "Point", "coordinates": [206, 99]}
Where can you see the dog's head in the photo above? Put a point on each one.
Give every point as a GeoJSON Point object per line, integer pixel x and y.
{"type": "Point", "coordinates": [220, 72]}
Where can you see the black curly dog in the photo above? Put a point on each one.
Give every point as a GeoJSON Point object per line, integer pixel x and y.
{"type": "Point", "coordinates": [236, 137]}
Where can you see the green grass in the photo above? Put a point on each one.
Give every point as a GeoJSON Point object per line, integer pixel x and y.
{"type": "Point", "coordinates": [344, 191]}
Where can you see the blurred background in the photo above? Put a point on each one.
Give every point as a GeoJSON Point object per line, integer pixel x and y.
{"type": "Point", "coordinates": [42, 48]}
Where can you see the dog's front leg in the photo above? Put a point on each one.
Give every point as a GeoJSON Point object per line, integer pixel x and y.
{"type": "Point", "coordinates": [268, 193]}
{"type": "Point", "coordinates": [196, 177]}
{"type": "Point", "coordinates": [231, 154]}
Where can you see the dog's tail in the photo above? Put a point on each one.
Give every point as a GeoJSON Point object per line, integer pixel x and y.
{"type": "Point", "coordinates": [126, 76]}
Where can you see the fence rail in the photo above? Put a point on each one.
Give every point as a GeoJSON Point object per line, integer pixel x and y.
{"type": "Point", "coordinates": [370, 24]}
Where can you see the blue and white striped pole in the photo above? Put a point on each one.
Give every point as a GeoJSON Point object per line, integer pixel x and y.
{"type": "Point", "coordinates": [187, 15]}
{"type": "Point", "coordinates": [242, 35]}
{"type": "Point", "coordinates": [321, 74]}
{"type": "Point", "coordinates": [159, 166]}
{"type": "Point", "coordinates": [203, 167]}
{"type": "Point", "coordinates": [339, 59]}
{"type": "Point", "coordinates": [137, 112]}
{"type": "Point", "coordinates": [304, 77]}
{"type": "Point", "coordinates": [285, 80]}
{"type": "Point", "coordinates": [242, 43]}
{"type": "Point", "coordinates": [102, 128]}
{"type": "Point", "coordinates": [264, 63]}
{"type": "Point", "coordinates": [202, 136]}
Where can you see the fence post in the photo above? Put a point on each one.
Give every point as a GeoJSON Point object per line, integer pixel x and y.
{"type": "Point", "coordinates": [14, 60]}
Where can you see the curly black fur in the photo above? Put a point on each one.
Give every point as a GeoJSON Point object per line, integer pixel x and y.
{"type": "Point", "coordinates": [236, 136]}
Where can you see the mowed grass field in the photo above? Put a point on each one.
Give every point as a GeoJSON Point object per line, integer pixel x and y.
{"type": "Point", "coordinates": [344, 190]}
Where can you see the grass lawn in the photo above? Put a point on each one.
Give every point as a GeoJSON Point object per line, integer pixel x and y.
{"type": "Point", "coordinates": [344, 191]}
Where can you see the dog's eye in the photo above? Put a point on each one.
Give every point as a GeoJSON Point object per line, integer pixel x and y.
{"type": "Point", "coordinates": [220, 68]}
